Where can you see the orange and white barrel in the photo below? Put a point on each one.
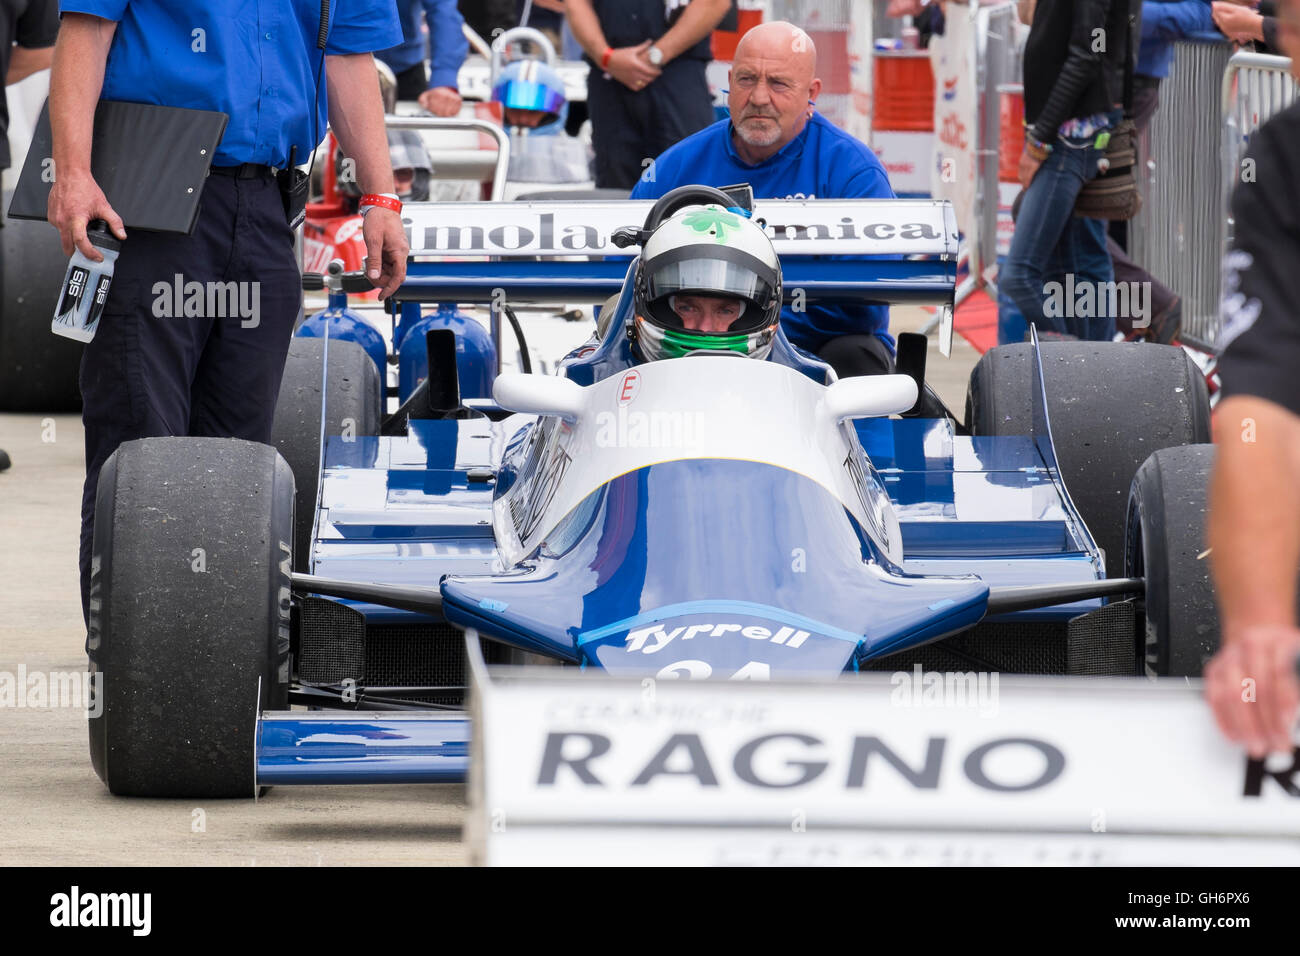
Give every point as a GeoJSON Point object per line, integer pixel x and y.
{"type": "Point", "coordinates": [902, 117]}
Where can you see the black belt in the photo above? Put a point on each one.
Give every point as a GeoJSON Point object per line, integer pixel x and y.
{"type": "Point", "coordinates": [244, 171]}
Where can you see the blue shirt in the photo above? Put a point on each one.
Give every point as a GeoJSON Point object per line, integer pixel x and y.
{"type": "Point", "coordinates": [1163, 22]}
{"type": "Point", "coordinates": [447, 42]}
{"type": "Point", "coordinates": [255, 60]}
{"type": "Point", "coordinates": [822, 162]}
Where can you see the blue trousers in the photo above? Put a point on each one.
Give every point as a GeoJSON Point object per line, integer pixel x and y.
{"type": "Point", "coordinates": [1050, 241]}
{"type": "Point", "coordinates": [151, 370]}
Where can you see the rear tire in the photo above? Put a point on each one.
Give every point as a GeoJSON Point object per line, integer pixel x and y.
{"type": "Point", "coordinates": [1111, 404]}
{"type": "Point", "coordinates": [38, 369]}
{"type": "Point", "coordinates": [189, 613]}
{"type": "Point", "coordinates": [1165, 543]}
{"type": "Point", "coordinates": [354, 406]}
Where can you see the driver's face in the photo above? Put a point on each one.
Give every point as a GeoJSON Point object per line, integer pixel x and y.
{"type": "Point", "coordinates": [706, 313]}
{"type": "Point", "coordinates": [529, 118]}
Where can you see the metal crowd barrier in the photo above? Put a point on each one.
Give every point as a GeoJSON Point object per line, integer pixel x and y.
{"type": "Point", "coordinates": [1255, 87]}
{"type": "Point", "coordinates": [1209, 107]}
{"type": "Point", "coordinates": [1178, 235]}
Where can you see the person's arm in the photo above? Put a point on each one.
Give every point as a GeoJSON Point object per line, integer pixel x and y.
{"type": "Point", "coordinates": [697, 21]}
{"type": "Point", "coordinates": [1254, 537]}
{"type": "Point", "coordinates": [448, 48]}
{"type": "Point", "coordinates": [76, 78]}
{"type": "Point", "coordinates": [1238, 23]}
{"type": "Point", "coordinates": [34, 34]}
{"type": "Point", "coordinates": [356, 115]}
{"type": "Point", "coordinates": [1169, 21]}
{"type": "Point", "coordinates": [1254, 521]}
{"type": "Point", "coordinates": [586, 28]}
{"type": "Point", "coordinates": [624, 63]}
{"type": "Point", "coordinates": [23, 62]}
{"type": "Point", "coordinates": [904, 8]}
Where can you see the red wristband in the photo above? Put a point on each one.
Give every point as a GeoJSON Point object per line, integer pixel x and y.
{"type": "Point", "coordinates": [375, 199]}
{"type": "Point", "coordinates": [604, 58]}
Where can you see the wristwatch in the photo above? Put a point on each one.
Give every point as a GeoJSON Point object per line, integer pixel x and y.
{"type": "Point", "coordinates": [655, 55]}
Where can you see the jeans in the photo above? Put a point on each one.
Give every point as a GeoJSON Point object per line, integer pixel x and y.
{"type": "Point", "coordinates": [1050, 241]}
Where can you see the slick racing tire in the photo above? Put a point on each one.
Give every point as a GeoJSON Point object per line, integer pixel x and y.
{"type": "Point", "coordinates": [38, 369]}
{"type": "Point", "coordinates": [1165, 543]}
{"type": "Point", "coordinates": [1110, 405]}
{"type": "Point", "coordinates": [190, 614]}
{"type": "Point", "coordinates": [353, 408]}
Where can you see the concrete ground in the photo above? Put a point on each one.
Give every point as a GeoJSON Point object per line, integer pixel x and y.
{"type": "Point", "coordinates": [54, 810]}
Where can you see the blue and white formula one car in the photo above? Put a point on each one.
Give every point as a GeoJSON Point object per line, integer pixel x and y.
{"type": "Point", "coordinates": [708, 516]}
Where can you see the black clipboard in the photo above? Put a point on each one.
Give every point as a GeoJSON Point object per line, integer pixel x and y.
{"type": "Point", "coordinates": [151, 161]}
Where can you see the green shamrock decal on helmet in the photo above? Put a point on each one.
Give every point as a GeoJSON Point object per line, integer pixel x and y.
{"type": "Point", "coordinates": [714, 220]}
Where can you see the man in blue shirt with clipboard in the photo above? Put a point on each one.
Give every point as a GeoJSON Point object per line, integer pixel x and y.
{"type": "Point", "coordinates": [148, 373]}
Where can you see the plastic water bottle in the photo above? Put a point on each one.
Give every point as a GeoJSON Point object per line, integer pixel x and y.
{"type": "Point", "coordinates": [85, 286]}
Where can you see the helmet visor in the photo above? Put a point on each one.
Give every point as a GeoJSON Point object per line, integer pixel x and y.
{"type": "Point", "coordinates": [708, 277]}
{"type": "Point", "coordinates": [529, 95]}
{"type": "Point", "coordinates": [711, 277]}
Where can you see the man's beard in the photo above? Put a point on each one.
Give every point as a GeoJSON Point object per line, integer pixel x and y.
{"type": "Point", "coordinates": [754, 137]}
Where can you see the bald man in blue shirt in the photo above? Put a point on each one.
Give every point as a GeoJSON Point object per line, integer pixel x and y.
{"type": "Point", "coordinates": [776, 141]}
{"type": "Point", "coordinates": [214, 375]}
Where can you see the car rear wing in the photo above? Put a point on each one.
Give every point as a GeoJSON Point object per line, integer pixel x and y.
{"type": "Point", "coordinates": [879, 250]}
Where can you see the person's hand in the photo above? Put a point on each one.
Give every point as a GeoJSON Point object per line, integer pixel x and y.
{"type": "Point", "coordinates": [1252, 689]}
{"type": "Point", "coordinates": [1028, 167]}
{"type": "Point", "coordinates": [904, 8]}
{"type": "Point", "coordinates": [441, 101]}
{"type": "Point", "coordinates": [76, 199]}
{"type": "Point", "coordinates": [1237, 23]}
{"type": "Point", "coordinates": [386, 249]}
{"type": "Point", "coordinates": [628, 65]}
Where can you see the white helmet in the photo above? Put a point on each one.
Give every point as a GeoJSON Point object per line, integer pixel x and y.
{"type": "Point", "coordinates": [707, 250]}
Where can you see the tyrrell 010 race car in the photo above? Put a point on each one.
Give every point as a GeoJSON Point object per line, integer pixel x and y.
{"type": "Point", "coordinates": [759, 525]}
